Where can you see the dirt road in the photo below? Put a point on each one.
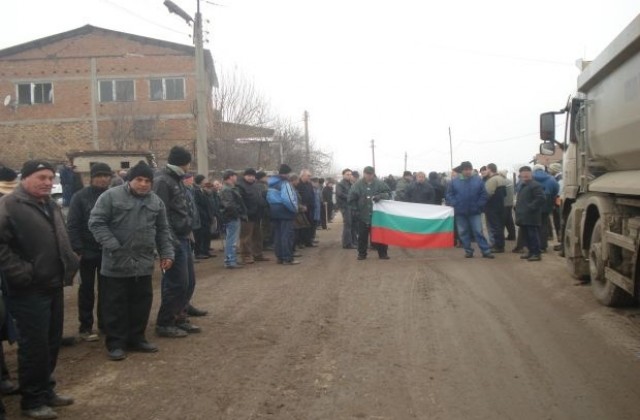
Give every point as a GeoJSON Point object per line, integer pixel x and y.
{"type": "Point", "coordinates": [426, 335]}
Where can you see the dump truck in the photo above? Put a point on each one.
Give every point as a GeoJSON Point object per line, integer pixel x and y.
{"type": "Point", "coordinates": [600, 202]}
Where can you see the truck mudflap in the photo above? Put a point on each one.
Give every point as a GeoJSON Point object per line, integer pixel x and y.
{"type": "Point", "coordinates": [577, 265]}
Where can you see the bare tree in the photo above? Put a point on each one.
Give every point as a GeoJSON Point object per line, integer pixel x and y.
{"type": "Point", "coordinates": [122, 129]}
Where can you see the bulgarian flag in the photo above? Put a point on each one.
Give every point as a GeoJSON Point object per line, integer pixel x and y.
{"type": "Point", "coordinates": [411, 225]}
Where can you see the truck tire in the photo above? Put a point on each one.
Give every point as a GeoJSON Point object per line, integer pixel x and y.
{"type": "Point", "coordinates": [578, 267]}
{"type": "Point", "coordinates": [606, 292]}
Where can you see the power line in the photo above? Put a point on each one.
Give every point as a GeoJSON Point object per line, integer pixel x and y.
{"type": "Point", "coordinates": [136, 15]}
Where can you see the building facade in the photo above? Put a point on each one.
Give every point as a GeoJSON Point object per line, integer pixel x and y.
{"type": "Point", "coordinates": [97, 89]}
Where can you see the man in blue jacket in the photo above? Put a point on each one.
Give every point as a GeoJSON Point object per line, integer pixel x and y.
{"type": "Point", "coordinates": [283, 206]}
{"type": "Point", "coordinates": [468, 196]}
{"type": "Point", "coordinates": [551, 190]}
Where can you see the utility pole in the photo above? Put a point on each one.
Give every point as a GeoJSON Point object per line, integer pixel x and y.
{"type": "Point", "coordinates": [405, 161]}
{"type": "Point", "coordinates": [202, 146]}
{"type": "Point", "coordinates": [450, 149]}
{"type": "Point", "coordinates": [373, 153]}
{"type": "Point", "coordinates": [306, 140]}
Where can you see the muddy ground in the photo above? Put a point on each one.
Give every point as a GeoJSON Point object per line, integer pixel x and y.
{"type": "Point", "coordinates": [426, 335]}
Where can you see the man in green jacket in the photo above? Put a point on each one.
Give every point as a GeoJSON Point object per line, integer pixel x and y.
{"type": "Point", "coordinates": [362, 195]}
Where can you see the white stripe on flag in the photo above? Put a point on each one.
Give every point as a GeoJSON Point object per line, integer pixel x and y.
{"type": "Point", "coordinates": [413, 210]}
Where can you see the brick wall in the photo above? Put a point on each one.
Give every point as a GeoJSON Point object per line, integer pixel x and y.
{"type": "Point", "coordinates": [49, 131]}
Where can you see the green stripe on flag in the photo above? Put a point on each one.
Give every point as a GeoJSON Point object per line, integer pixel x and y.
{"type": "Point", "coordinates": [410, 224]}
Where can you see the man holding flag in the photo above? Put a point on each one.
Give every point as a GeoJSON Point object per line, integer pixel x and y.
{"type": "Point", "coordinates": [362, 195]}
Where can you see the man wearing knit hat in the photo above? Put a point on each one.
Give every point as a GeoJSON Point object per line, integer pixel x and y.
{"type": "Point", "coordinates": [36, 263]}
{"type": "Point", "coordinates": [85, 245]}
{"type": "Point", "coordinates": [178, 283]}
{"type": "Point", "coordinates": [250, 231]}
{"type": "Point", "coordinates": [283, 206]}
{"type": "Point", "coordinates": [129, 222]}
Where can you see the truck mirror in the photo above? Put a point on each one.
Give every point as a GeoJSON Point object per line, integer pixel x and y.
{"type": "Point", "coordinates": [548, 126]}
{"type": "Point", "coordinates": [548, 148]}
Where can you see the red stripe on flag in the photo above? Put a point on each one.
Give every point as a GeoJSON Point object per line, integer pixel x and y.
{"type": "Point", "coordinates": [411, 240]}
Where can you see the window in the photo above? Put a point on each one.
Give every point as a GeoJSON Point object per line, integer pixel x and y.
{"type": "Point", "coordinates": [117, 91]}
{"type": "Point", "coordinates": [166, 89]}
{"type": "Point", "coordinates": [35, 93]}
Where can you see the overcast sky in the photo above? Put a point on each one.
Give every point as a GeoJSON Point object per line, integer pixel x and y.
{"type": "Point", "coordinates": [400, 72]}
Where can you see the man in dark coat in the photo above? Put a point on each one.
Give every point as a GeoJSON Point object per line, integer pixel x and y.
{"type": "Point", "coordinates": [86, 246]}
{"type": "Point", "coordinates": [364, 193]}
{"type": "Point", "coordinates": [204, 204]}
{"type": "Point", "coordinates": [349, 229]}
{"type": "Point", "coordinates": [496, 186]}
{"type": "Point", "coordinates": [529, 206]}
{"type": "Point", "coordinates": [178, 282]}
{"type": "Point", "coordinates": [468, 196]}
{"type": "Point", "coordinates": [71, 182]}
{"type": "Point", "coordinates": [327, 203]}
{"type": "Point", "coordinates": [420, 191]}
{"type": "Point", "coordinates": [254, 198]}
{"type": "Point", "coordinates": [129, 222]}
{"type": "Point", "coordinates": [233, 213]}
{"type": "Point", "coordinates": [37, 261]}
{"type": "Point", "coordinates": [438, 188]}
{"type": "Point", "coordinates": [308, 201]}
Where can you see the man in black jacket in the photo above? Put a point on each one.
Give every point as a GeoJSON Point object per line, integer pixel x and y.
{"type": "Point", "coordinates": [178, 282]}
{"type": "Point", "coordinates": [420, 191]}
{"type": "Point", "coordinates": [438, 188]}
{"type": "Point", "coordinates": [529, 205]}
{"type": "Point", "coordinates": [89, 250]}
{"type": "Point", "coordinates": [349, 231]}
{"type": "Point", "coordinates": [254, 198]}
{"type": "Point", "coordinates": [202, 236]}
{"type": "Point", "coordinates": [233, 212]}
{"type": "Point", "coordinates": [37, 260]}
{"type": "Point", "coordinates": [308, 201]}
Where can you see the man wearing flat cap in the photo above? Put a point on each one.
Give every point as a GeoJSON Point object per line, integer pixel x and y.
{"type": "Point", "coordinates": [468, 196]}
{"type": "Point", "coordinates": [87, 248]}
{"type": "Point", "coordinates": [362, 195]}
{"type": "Point", "coordinates": [37, 261]}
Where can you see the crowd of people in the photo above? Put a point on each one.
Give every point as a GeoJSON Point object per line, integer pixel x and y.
{"type": "Point", "coordinates": [123, 225]}
{"type": "Point", "coordinates": [473, 194]}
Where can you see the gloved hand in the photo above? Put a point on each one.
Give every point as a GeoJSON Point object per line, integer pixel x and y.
{"type": "Point", "coordinates": [376, 198]}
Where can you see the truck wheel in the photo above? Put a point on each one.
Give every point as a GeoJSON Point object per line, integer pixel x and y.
{"type": "Point", "coordinates": [577, 266]}
{"type": "Point", "coordinates": [606, 292]}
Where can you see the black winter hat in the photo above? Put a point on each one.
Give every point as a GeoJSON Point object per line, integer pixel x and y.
{"type": "Point", "coordinates": [32, 166]}
{"type": "Point", "coordinates": [7, 174]}
{"type": "Point", "coordinates": [141, 169]}
{"type": "Point", "coordinates": [179, 156]}
{"type": "Point", "coordinates": [198, 179]}
{"type": "Point", "coordinates": [284, 169]}
{"type": "Point", "coordinates": [100, 168]}
{"type": "Point", "coordinates": [250, 171]}
{"type": "Point", "coordinates": [261, 175]}
{"type": "Point", "coordinates": [407, 173]}
{"type": "Point", "coordinates": [228, 174]}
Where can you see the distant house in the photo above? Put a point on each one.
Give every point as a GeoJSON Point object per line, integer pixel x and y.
{"type": "Point", "coordinates": [97, 89]}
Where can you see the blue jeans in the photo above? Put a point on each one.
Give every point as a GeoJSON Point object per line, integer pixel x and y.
{"type": "Point", "coordinates": [39, 318]}
{"type": "Point", "coordinates": [283, 239]}
{"type": "Point", "coordinates": [233, 232]}
{"type": "Point", "coordinates": [178, 284]}
{"type": "Point", "coordinates": [471, 225]}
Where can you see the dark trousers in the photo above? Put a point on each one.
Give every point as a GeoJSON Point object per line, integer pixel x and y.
{"type": "Point", "coordinates": [324, 215]}
{"type": "Point", "coordinates": [39, 319]}
{"type": "Point", "coordinates": [202, 239]}
{"type": "Point", "coordinates": [545, 231]}
{"type": "Point", "coordinates": [531, 236]}
{"type": "Point", "coordinates": [126, 305]}
{"type": "Point", "coordinates": [349, 229]}
{"type": "Point", "coordinates": [363, 240]}
{"type": "Point", "coordinates": [89, 270]}
{"type": "Point", "coordinates": [283, 234]}
{"type": "Point", "coordinates": [509, 224]}
{"type": "Point", "coordinates": [178, 285]}
{"type": "Point", "coordinates": [495, 222]}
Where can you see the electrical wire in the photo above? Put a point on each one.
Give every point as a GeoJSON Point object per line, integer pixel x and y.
{"type": "Point", "coordinates": [134, 14]}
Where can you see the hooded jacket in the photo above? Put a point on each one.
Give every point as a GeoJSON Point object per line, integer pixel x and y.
{"type": "Point", "coordinates": [467, 196]}
{"type": "Point", "coordinates": [35, 252]}
{"type": "Point", "coordinates": [550, 187]}
{"type": "Point", "coordinates": [282, 199]}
